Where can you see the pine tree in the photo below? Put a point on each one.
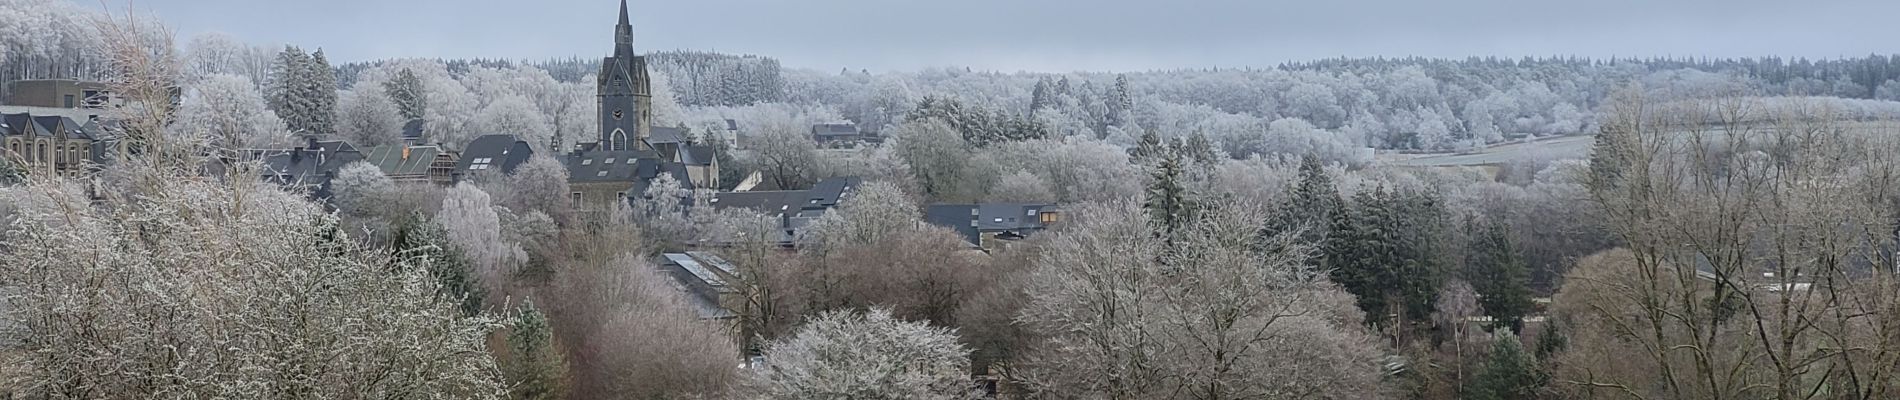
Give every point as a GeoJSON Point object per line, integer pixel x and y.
{"type": "Point", "coordinates": [1120, 102]}
{"type": "Point", "coordinates": [1500, 277]}
{"type": "Point", "coordinates": [1384, 250]}
{"type": "Point", "coordinates": [289, 91]}
{"type": "Point", "coordinates": [1043, 96]}
{"type": "Point", "coordinates": [1148, 148]}
{"type": "Point", "coordinates": [537, 371]}
{"type": "Point", "coordinates": [422, 238]}
{"type": "Point", "coordinates": [1312, 203]}
{"type": "Point", "coordinates": [1509, 374]}
{"type": "Point", "coordinates": [1063, 88]}
{"type": "Point", "coordinates": [1201, 150]}
{"type": "Point", "coordinates": [322, 88]}
{"type": "Point", "coordinates": [1609, 159]}
{"type": "Point", "coordinates": [406, 91]}
{"type": "Point", "coordinates": [1168, 202]}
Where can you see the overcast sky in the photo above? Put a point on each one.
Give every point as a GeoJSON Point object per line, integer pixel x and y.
{"type": "Point", "coordinates": [1053, 35]}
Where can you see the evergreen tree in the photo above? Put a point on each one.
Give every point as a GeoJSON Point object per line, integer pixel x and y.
{"type": "Point", "coordinates": [1120, 102]}
{"type": "Point", "coordinates": [1609, 158]}
{"type": "Point", "coordinates": [1509, 374]}
{"type": "Point", "coordinates": [1201, 150]}
{"type": "Point", "coordinates": [1043, 96]}
{"type": "Point", "coordinates": [424, 239]}
{"type": "Point", "coordinates": [406, 91]}
{"type": "Point", "coordinates": [1062, 87]}
{"type": "Point", "coordinates": [322, 89]}
{"type": "Point", "coordinates": [1148, 149]}
{"type": "Point", "coordinates": [537, 371]}
{"type": "Point", "coordinates": [1500, 276]}
{"type": "Point", "coordinates": [289, 91]}
{"type": "Point", "coordinates": [1384, 250]}
{"type": "Point", "coordinates": [1311, 204]}
{"type": "Point", "coordinates": [1168, 202]}
{"type": "Point", "coordinates": [1551, 340]}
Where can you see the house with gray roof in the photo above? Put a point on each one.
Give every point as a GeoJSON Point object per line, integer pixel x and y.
{"type": "Point", "coordinates": [492, 154]}
{"type": "Point", "coordinates": [993, 224]}
{"type": "Point", "coordinates": [308, 168]}
{"type": "Point", "coordinates": [794, 209]}
{"type": "Point", "coordinates": [48, 140]}
{"type": "Point", "coordinates": [431, 164]}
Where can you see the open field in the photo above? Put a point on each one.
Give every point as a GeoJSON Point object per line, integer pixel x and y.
{"type": "Point", "coordinates": [1565, 147]}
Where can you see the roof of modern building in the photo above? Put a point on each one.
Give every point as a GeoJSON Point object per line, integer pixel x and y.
{"type": "Point", "coordinates": [501, 153]}
{"type": "Point", "coordinates": [972, 220]}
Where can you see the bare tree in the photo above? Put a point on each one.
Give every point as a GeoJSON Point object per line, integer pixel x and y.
{"type": "Point", "coordinates": [1756, 262]}
{"type": "Point", "coordinates": [1231, 315]}
{"type": "Point", "coordinates": [869, 355]}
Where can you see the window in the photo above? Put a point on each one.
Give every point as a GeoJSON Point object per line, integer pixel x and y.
{"type": "Point", "coordinates": [574, 198]}
{"type": "Point", "coordinates": [1049, 218]}
{"type": "Point", "coordinates": [69, 101]}
{"type": "Point", "coordinates": [587, 162]}
{"type": "Point", "coordinates": [999, 220]}
{"type": "Point", "coordinates": [610, 160]}
{"type": "Point", "coordinates": [620, 195]}
{"type": "Point", "coordinates": [600, 174]}
{"type": "Point", "coordinates": [1031, 213]}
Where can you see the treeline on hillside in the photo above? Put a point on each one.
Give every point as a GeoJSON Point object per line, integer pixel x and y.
{"type": "Point", "coordinates": [698, 78]}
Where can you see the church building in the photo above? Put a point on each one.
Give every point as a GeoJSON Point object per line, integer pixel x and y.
{"type": "Point", "coordinates": [628, 156]}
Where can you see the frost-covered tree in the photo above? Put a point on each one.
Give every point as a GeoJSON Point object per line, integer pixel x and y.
{"type": "Point", "coordinates": [426, 242]}
{"type": "Point", "coordinates": [291, 91]}
{"type": "Point", "coordinates": [105, 309]}
{"type": "Point", "coordinates": [942, 162]}
{"type": "Point", "coordinates": [367, 118]}
{"type": "Point", "coordinates": [227, 112]}
{"type": "Point", "coordinates": [515, 115]}
{"type": "Point", "coordinates": [875, 210]}
{"type": "Point", "coordinates": [475, 227]}
{"type": "Point", "coordinates": [406, 91]}
{"type": "Point", "coordinates": [868, 355]}
{"type": "Point", "coordinates": [321, 117]}
{"type": "Point", "coordinates": [1228, 314]}
{"type": "Point", "coordinates": [361, 189]}
{"type": "Point", "coordinates": [1021, 187]}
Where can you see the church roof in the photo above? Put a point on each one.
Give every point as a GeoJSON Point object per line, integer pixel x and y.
{"type": "Point", "coordinates": [659, 134]}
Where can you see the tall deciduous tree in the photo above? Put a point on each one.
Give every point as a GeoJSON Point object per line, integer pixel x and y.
{"type": "Point", "coordinates": [1230, 314]}
{"type": "Point", "coordinates": [868, 355]}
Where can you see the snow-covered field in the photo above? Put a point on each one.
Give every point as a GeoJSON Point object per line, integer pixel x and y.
{"type": "Point", "coordinates": [1558, 148]}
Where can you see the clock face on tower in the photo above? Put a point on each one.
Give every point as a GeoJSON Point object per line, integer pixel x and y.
{"type": "Point", "coordinates": [617, 114]}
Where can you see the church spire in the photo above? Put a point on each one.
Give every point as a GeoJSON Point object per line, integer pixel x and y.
{"type": "Point", "coordinates": [623, 33]}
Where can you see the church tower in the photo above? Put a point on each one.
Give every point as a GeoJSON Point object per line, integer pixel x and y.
{"type": "Point", "coordinates": [626, 98]}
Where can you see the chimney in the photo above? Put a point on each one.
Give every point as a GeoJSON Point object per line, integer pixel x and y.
{"type": "Point", "coordinates": [405, 153]}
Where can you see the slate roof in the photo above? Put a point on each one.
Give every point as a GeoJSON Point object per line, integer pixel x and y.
{"type": "Point", "coordinates": [793, 208]}
{"type": "Point", "coordinates": [24, 124]}
{"type": "Point", "coordinates": [657, 135]}
{"type": "Point", "coordinates": [829, 130]}
{"type": "Point", "coordinates": [649, 168]}
{"type": "Point", "coordinates": [310, 167]}
{"type": "Point", "coordinates": [412, 129]}
{"type": "Point", "coordinates": [494, 153]}
{"type": "Point", "coordinates": [698, 156]}
{"type": "Point", "coordinates": [604, 166]}
{"type": "Point", "coordinates": [391, 161]}
{"type": "Point", "coordinates": [973, 220]}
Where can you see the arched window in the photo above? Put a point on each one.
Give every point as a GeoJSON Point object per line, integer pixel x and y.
{"type": "Point", "coordinates": [619, 139]}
